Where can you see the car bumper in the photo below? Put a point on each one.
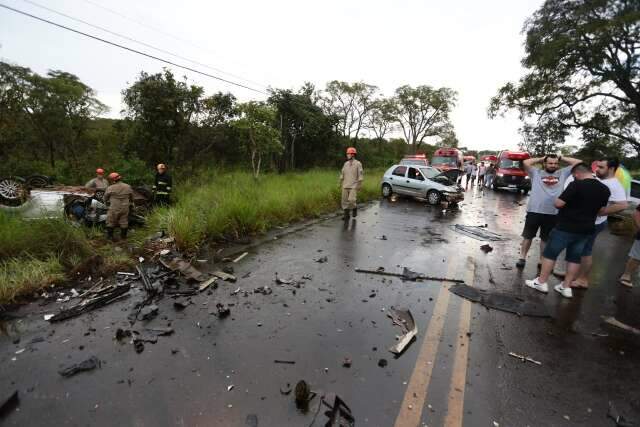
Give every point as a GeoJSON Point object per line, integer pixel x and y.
{"type": "Point", "coordinates": [453, 197]}
{"type": "Point", "coordinates": [524, 184]}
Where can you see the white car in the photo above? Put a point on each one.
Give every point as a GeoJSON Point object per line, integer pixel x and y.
{"type": "Point", "coordinates": [425, 182]}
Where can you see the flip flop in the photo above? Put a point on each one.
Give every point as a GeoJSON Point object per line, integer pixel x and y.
{"type": "Point", "coordinates": [625, 282]}
{"type": "Point", "coordinates": [578, 285]}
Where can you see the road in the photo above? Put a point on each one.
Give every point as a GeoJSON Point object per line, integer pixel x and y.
{"type": "Point", "coordinates": [457, 372]}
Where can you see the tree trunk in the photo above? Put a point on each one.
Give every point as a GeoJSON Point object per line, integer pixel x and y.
{"type": "Point", "coordinates": [293, 146]}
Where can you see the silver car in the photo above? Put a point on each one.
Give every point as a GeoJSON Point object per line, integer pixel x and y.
{"type": "Point", "coordinates": [425, 182]}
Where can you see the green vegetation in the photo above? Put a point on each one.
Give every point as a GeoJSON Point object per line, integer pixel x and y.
{"type": "Point", "coordinates": [22, 276]}
{"type": "Point", "coordinates": [234, 204]}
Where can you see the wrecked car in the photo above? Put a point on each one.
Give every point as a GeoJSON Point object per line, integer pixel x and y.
{"type": "Point", "coordinates": [425, 182]}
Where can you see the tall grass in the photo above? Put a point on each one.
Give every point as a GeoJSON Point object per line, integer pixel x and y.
{"type": "Point", "coordinates": [234, 204]}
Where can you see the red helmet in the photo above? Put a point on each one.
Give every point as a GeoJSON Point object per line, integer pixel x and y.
{"type": "Point", "coordinates": [114, 176]}
{"type": "Point", "coordinates": [100, 171]}
{"type": "Point", "coordinates": [351, 150]}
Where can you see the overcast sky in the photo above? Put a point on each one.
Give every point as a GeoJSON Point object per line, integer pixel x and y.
{"type": "Point", "coordinates": [470, 46]}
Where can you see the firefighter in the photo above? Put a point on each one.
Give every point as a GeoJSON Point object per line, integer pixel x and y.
{"type": "Point", "coordinates": [162, 185]}
{"type": "Point", "coordinates": [351, 179]}
{"type": "Point", "coordinates": [118, 197]}
{"type": "Point", "coordinates": [99, 182]}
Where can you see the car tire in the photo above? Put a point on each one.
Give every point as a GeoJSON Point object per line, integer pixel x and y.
{"type": "Point", "coordinates": [12, 191]}
{"type": "Point", "coordinates": [387, 191]}
{"type": "Point", "coordinates": [525, 192]}
{"type": "Point", "coordinates": [434, 197]}
{"type": "Point", "coordinates": [38, 181]}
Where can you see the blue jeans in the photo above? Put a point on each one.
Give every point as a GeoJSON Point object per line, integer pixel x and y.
{"type": "Point", "coordinates": [588, 247]}
{"type": "Point", "coordinates": [560, 240]}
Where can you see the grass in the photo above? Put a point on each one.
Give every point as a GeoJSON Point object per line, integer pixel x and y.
{"type": "Point", "coordinates": [211, 206]}
{"type": "Point", "coordinates": [233, 205]}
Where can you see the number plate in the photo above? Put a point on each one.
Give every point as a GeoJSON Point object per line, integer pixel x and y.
{"type": "Point", "coordinates": [512, 186]}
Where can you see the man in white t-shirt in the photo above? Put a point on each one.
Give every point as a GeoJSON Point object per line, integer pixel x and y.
{"type": "Point", "coordinates": [606, 173]}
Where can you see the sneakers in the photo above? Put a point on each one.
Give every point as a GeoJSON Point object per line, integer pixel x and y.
{"type": "Point", "coordinates": [565, 292]}
{"type": "Point", "coordinates": [535, 284]}
{"type": "Point", "coordinates": [521, 263]}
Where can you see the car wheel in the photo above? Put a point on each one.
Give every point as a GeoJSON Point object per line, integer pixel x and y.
{"type": "Point", "coordinates": [386, 191]}
{"type": "Point", "coordinates": [434, 197]}
{"type": "Point", "coordinates": [12, 191]}
{"type": "Point", "coordinates": [38, 181]}
{"type": "Point", "coordinates": [525, 192]}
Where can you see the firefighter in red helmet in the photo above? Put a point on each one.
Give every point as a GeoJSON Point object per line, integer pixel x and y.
{"type": "Point", "coordinates": [118, 197]}
{"type": "Point", "coordinates": [351, 179]}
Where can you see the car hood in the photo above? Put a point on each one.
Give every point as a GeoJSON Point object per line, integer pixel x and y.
{"type": "Point", "coordinates": [450, 176]}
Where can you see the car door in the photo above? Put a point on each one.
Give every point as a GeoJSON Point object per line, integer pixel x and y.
{"type": "Point", "coordinates": [398, 180]}
{"type": "Point", "coordinates": [415, 183]}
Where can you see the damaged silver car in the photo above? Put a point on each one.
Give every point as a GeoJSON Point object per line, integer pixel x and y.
{"type": "Point", "coordinates": [425, 182]}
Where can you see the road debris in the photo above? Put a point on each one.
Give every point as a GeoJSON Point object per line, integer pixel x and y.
{"type": "Point", "coordinates": [286, 389]}
{"type": "Point", "coordinates": [230, 387]}
{"type": "Point", "coordinates": [239, 258]}
{"type": "Point", "coordinates": [407, 274]}
{"type": "Point", "coordinates": [183, 267]}
{"type": "Point", "coordinates": [382, 363]}
{"type": "Point", "coordinates": [9, 404]}
{"type": "Point", "coordinates": [96, 299]}
{"type": "Point", "coordinates": [285, 362]}
{"type": "Point", "coordinates": [148, 312]}
{"type": "Point", "coordinates": [501, 301]}
{"type": "Point", "coordinates": [404, 319]}
{"type": "Point", "coordinates": [179, 306]}
{"type": "Point", "coordinates": [346, 363]}
{"type": "Point", "coordinates": [159, 331]}
{"type": "Point", "coordinates": [620, 420]}
{"type": "Point", "coordinates": [223, 310]}
{"type": "Point", "coordinates": [264, 290]}
{"type": "Point", "coordinates": [322, 260]}
{"type": "Point", "coordinates": [524, 358]}
{"type": "Point", "coordinates": [618, 324]}
{"type": "Point", "coordinates": [303, 395]}
{"type": "Point", "coordinates": [339, 413]}
{"type": "Point", "coordinates": [486, 248]}
{"type": "Point", "coordinates": [477, 232]}
{"type": "Point", "coordinates": [86, 365]}
{"type": "Point", "coordinates": [204, 285]}
{"type": "Point", "coordinates": [225, 276]}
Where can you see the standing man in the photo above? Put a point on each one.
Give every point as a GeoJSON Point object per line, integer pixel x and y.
{"type": "Point", "coordinates": [634, 255]}
{"type": "Point", "coordinates": [118, 197]}
{"type": "Point", "coordinates": [162, 185]}
{"type": "Point", "coordinates": [490, 174]}
{"type": "Point", "coordinates": [468, 170]}
{"type": "Point", "coordinates": [578, 205]}
{"type": "Point", "coordinates": [546, 185]}
{"type": "Point", "coordinates": [99, 182]}
{"type": "Point", "coordinates": [474, 173]}
{"type": "Point", "coordinates": [606, 174]}
{"type": "Point", "coordinates": [351, 179]}
{"type": "Point", "coordinates": [482, 169]}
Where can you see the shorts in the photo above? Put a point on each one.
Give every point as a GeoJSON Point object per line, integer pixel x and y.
{"type": "Point", "coordinates": [588, 247]}
{"type": "Point", "coordinates": [535, 221]}
{"type": "Point", "coordinates": [560, 240]}
{"type": "Point", "coordinates": [635, 250]}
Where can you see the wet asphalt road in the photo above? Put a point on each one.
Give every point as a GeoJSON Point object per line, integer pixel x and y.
{"type": "Point", "coordinates": [450, 378]}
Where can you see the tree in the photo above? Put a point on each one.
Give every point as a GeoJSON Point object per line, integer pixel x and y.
{"type": "Point", "coordinates": [448, 139]}
{"type": "Point", "coordinates": [350, 103]}
{"type": "Point", "coordinates": [542, 139]}
{"type": "Point", "coordinates": [259, 137]}
{"type": "Point", "coordinates": [381, 118]}
{"type": "Point", "coordinates": [423, 111]}
{"type": "Point", "coordinates": [162, 110]}
{"type": "Point", "coordinates": [218, 109]}
{"type": "Point", "coordinates": [583, 69]}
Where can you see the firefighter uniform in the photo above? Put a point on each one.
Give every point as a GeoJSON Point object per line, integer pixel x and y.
{"type": "Point", "coordinates": [162, 188]}
{"type": "Point", "coordinates": [351, 179]}
{"type": "Point", "coordinates": [97, 183]}
{"type": "Point", "coordinates": [118, 197]}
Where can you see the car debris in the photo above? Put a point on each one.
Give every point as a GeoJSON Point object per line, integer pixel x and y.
{"type": "Point", "coordinates": [264, 290]}
{"type": "Point", "coordinates": [303, 395]}
{"type": "Point", "coordinates": [322, 260]}
{"type": "Point", "coordinates": [501, 301]}
{"type": "Point", "coordinates": [618, 324]}
{"type": "Point", "coordinates": [346, 363]}
{"type": "Point", "coordinates": [86, 365]}
{"type": "Point", "coordinates": [9, 404]}
{"type": "Point", "coordinates": [183, 267]}
{"type": "Point", "coordinates": [486, 248]}
{"type": "Point", "coordinates": [407, 274]}
{"type": "Point", "coordinates": [524, 358]}
{"type": "Point", "coordinates": [148, 312]}
{"type": "Point", "coordinates": [225, 276]}
{"type": "Point", "coordinates": [239, 258]}
{"type": "Point", "coordinates": [620, 420]}
{"type": "Point", "coordinates": [222, 310]}
{"type": "Point", "coordinates": [285, 362]}
{"type": "Point", "coordinates": [404, 319]}
{"type": "Point", "coordinates": [382, 363]}
{"type": "Point", "coordinates": [339, 413]}
{"type": "Point", "coordinates": [477, 232]}
{"type": "Point", "coordinates": [204, 285]}
{"type": "Point", "coordinates": [96, 299]}
{"type": "Point", "coordinates": [161, 331]}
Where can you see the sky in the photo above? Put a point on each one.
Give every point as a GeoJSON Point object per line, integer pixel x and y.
{"type": "Point", "coordinates": [470, 46]}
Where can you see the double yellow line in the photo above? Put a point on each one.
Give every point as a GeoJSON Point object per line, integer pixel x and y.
{"type": "Point", "coordinates": [416, 394]}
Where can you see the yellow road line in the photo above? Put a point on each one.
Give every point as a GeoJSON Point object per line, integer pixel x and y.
{"type": "Point", "coordinates": [416, 394]}
{"type": "Point", "coordinates": [455, 404]}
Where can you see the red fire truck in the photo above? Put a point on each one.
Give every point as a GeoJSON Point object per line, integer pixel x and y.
{"type": "Point", "coordinates": [510, 171]}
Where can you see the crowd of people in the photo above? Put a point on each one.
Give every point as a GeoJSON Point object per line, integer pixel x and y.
{"type": "Point", "coordinates": [484, 174]}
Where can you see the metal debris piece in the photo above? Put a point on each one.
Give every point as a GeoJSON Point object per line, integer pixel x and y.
{"type": "Point", "coordinates": [225, 276]}
{"type": "Point", "coordinates": [87, 365]}
{"type": "Point", "coordinates": [501, 301]}
{"type": "Point", "coordinates": [303, 395]}
{"type": "Point", "coordinates": [620, 420]}
{"type": "Point", "coordinates": [138, 346]}
{"type": "Point", "coordinates": [183, 267]}
{"type": "Point", "coordinates": [98, 298]}
{"type": "Point", "coordinates": [347, 362]}
{"type": "Point", "coordinates": [477, 232]}
{"type": "Point", "coordinates": [524, 358]}
{"type": "Point", "coordinates": [230, 387]}
{"type": "Point", "coordinates": [148, 312]}
{"type": "Point", "coordinates": [239, 258]}
{"type": "Point", "coordinates": [382, 363]}
{"type": "Point", "coordinates": [264, 290]}
{"type": "Point", "coordinates": [280, 281]}
{"type": "Point", "coordinates": [408, 275]}
{"type": "Point", "coordinates": [223, 310]}
{"type": "Point", "coordinates": [160, 331]}
{"type": "Point", "coordinates": [404, 319]}
{"type": "Point", "coordinates": [9, 404]}
{"type": "Point", "coordinates": [123, 273]}
{"type": "Point", "coordinates": [322, 260]}
{"type": "Point", "coordinates": [285, 362]}
{"type": "Point", "coordinates": [204, 285]}
{"type": "Point", "coordinates": [618, 324]}
{"type": "Point", "coordinates": [48, 317]}
{"type": "Point", "coordinates": [339, 413]}
{"type": "Point", "coordinates": [122, 333]}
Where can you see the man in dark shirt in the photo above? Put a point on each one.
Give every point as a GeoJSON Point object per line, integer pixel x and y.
{"type": "Point", "coordinates": [634, 255]}
{"type": "Point", "coordinates": [162, 185]}
{"type": "Point", "coordinates": [578, 206]}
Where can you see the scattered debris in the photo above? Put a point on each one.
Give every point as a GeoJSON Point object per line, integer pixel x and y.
{"type": "Point", "coordinates": [160, 331]}
{"type": "Point", "coordinates": [264, 290]}
{"type": "Point", "coordinates": [618, 324]}
{"type": "Point", "coordinates": [230, 387]}
{"type": "Point", "coordinates": [86, 365]}
{"type": "Point", "coordinates": [48, 317]}
{"type": "Point", "coordinates": [123, 273]}
{"type": "Point", "coordinates": [524, 358]}
{"type": "Point", "coordinates": [97, 298]}
{"type": "Point", "coordinates": [501, 301]}
{"type": "Point", "coordinates": [179, 306]}
{"type": "Point", "coordinates": [286, 362]}
{"type": "Point", "coordinates": [383, 237]}
{"type": "Point", "coordinates": [620, 420]}
{"type": "Point", "coordinates": [408, 275]}
{"type": "Point", "coordinates": [122, 334]}
{"type": "Point", "coordinates": [9, 404]}
{"type": "Point", "coordinates": [148, 312]}
{"type": "Point", "coordinates": [238, 259]}
{"type": "Point", "coordinates": [204, 285]}
{"type": "Point", "coordinates": [382, 363]}
{"type": "Point", "coordinates": [138, 346]}
{"type": "Point", "coordinates": [346, 363]}
{"type": "Point", "coordinates": [486, 248]}
{"type": "Point", "coordinates": [285, 390]}
{"type": "Point", "coordinates": [225, 276]}
{"type": "Point", "coordinates": [322, 260]}
{"type": "Point", "coordinates": [183, 267]}
{"type": "Point", "coordinates": [339, 413]}
{"type": "Point", "coordinates": [477, 232]}
{"type": "Point", "coordinates": [404, 319]}
{"type": "Point", "coordinates": [280, 281]}
{"type": "Point", "coordinates": [223, 311]}
{"type": "Point", "coordinates": [303, 395]}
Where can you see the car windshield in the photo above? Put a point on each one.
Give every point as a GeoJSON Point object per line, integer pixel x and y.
{"type": "Point", "coordinates": [430, 172]}
{"type": "Point", "coordinates": [440, 160]}
{"type": "Point", "coordinates": [510, 164]}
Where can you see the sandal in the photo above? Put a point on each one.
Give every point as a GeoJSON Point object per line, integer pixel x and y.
{"type": "Point", "coordinates": [625, 282]}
